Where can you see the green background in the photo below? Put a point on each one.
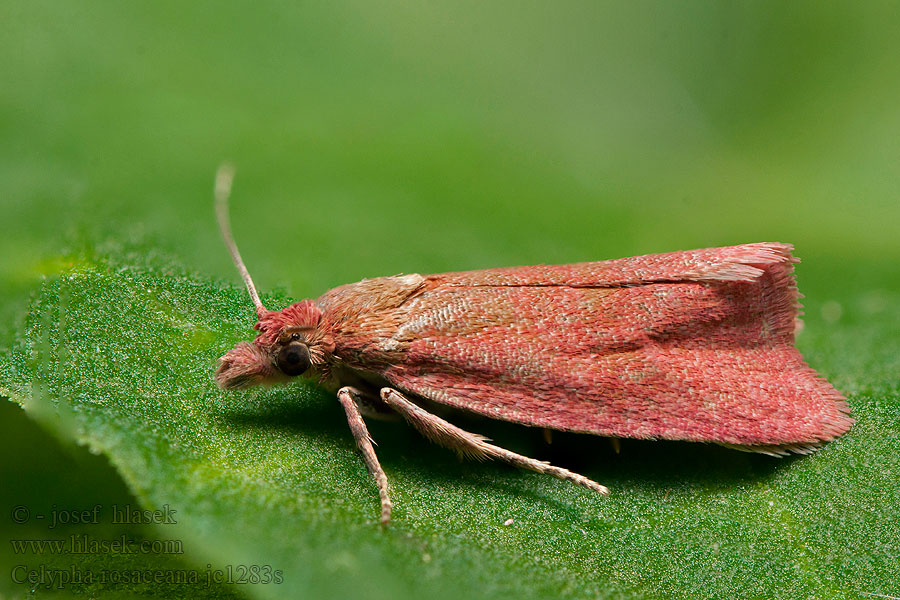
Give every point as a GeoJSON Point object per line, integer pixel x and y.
{"type": "Point", "coordinates": [379, 139]}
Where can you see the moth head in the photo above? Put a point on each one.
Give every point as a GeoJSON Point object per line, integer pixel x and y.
{"type": "Point", "coordinates": [292, 341]}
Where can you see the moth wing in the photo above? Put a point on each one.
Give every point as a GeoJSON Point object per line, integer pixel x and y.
{"type": "Point", "coordinates": [730, 263]}
{"type": "Point", "coordinates": [690, 345]}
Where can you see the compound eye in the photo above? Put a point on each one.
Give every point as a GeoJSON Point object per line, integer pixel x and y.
{"type": "Point", "coordinates": [293, 359]}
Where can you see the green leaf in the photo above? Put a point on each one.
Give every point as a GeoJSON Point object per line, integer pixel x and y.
{"type": "Point", "coordinates": [118, 354]}
{"type": "Point", "coordinates": [378, 138]}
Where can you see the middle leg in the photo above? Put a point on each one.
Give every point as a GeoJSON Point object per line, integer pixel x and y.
{"type": "Point", "coordinates": [473, 445]}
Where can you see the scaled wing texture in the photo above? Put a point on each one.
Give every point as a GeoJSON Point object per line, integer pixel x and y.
{"type": "Point", "coordinates": [695, 345]}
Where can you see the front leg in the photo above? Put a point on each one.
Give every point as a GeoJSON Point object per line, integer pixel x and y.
{"type": "Point", "coordinates": [473, 445]}
{"type": "Point", "coordinates": [347, 397]}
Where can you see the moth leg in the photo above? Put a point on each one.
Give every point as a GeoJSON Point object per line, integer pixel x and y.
{"type": "Point", "coordinates": [473, 445]}
{"type": "Point", "coordinates": [346, 396]}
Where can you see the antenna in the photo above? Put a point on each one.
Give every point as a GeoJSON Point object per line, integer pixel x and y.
{"type": "Point", "coordinates": [224, 177]}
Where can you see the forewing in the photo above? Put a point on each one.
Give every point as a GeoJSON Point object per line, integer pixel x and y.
{"type": "Point", "coordinates": [731, 263]}
{"type": "Point", "coordinates": [693, 345]}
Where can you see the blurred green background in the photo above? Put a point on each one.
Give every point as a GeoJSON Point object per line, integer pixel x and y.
{"type": "Point", "coordinates": [373, 139]}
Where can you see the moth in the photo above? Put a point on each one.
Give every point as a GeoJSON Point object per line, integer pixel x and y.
{"type": "Point", "coordinates": [695, 345]}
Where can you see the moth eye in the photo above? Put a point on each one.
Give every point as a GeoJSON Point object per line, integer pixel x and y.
{"type": "Point", "coordinates": [293, 359]}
